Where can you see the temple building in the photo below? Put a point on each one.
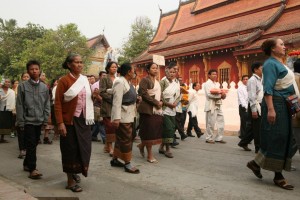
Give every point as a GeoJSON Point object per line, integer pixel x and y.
{"type": "Point", "coordinates": [220, 34]}
{"type": "Point", "coordinates": [100, 47]}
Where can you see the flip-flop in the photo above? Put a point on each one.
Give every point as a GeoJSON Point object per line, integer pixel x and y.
{"type": "Point", "coordinates": [169, 155]}
{"type": "Point", "coordinates": [283, 184]}
{"type": "Point", "coordinates": [74, 188]}
{"type": "Point", "coordinates": [35, 175]}
{"type": "Point", "coordinates": [141, 151]}
{"type": "Point", "coordinates": [152, 161]}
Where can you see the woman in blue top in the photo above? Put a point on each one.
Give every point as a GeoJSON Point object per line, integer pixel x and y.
{"type": "Point", "coordinates": [276, 139]}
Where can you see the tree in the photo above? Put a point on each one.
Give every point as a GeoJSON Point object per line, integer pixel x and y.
{"type": "Point", "coordinates": [139, 38]}
{"type": "Point", "coordinates": [51, 50]}
{"type": "Point", "coordinates": [13, 40]}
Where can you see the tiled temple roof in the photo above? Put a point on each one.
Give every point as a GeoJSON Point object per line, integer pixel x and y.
{"type": "Point", "coordinates": [230, 24]}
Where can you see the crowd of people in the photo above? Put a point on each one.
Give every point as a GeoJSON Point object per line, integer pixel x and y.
{"type": "Point", "coordinates": [79, 107]}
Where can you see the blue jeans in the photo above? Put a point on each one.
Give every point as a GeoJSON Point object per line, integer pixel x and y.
{"type": "Point", "coordinates": [98, 127]}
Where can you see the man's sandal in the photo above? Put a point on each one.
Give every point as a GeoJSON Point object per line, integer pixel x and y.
{"type": "Point", "coordinates": [74, 188]}
{"type": "Point", "coordinates": [283, 184]}
{"type": "Point", "coordinates": [35, 175]}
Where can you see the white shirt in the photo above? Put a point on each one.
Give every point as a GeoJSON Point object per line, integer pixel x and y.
{"type": "Point", "coordinates": [194, 101]}
{"type": "Point", "coordinates": [243, 96]}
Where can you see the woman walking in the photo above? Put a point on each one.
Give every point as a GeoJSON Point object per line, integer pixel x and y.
{"type": "Point", "coordinates": [74, 114]}
{"type": "Point", "coordinates": [122, 116]}
{"type": "Point", "coordinates": [276, 150]}
{"type": "Point", "coordinates": [106, 84]}
{"type": "Point", "coordinates": [150, 112]}
{"type": "Point", "coordinates": [170, 96]}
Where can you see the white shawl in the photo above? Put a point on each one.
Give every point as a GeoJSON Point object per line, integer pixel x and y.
{"type": "Point", "coordinates": [10, 99]}
{"type": "Point", "coordinates": [287, 81]}
{"type": "Point", "coordinates": [193, 102]}
{"type": "Point", "coordinates": [73, 91]}
{"type": "Point", "coordinates": [156, 91]}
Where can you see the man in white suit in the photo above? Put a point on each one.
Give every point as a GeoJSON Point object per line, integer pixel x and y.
{"type": "Point", "coordinates": [213, 110]}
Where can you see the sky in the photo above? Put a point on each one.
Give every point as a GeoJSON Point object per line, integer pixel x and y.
{"type": "Point", "coordinates": [91, 16]}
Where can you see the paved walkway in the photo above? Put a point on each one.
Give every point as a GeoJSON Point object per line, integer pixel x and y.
{"type": "Point", "coordinates": [197, 171]}
{"type": "Point", "coordinates": [11, 191]}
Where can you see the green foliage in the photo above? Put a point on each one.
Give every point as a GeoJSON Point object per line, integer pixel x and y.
{"type": "Point", "coordinates": [49, 47]}
{"type": "Point", "coordinates": [13, 40]}
{"type": "Point", "coordinates": [139, 38]}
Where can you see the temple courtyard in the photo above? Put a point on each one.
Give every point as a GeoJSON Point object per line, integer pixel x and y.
{"type": "Point", "coordinates": [197, 171]}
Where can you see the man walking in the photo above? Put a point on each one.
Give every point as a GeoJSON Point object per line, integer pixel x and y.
{"type": "Point", "coordinates": [33, 110]}
{"type": "Point", "coordinates": [213, 110]}
{"type": "Point", "coordinates": [194, 101]}
{"type": "Point", "coordinates": [243, 107]}
{"type": "Point", "coordinates": [255, 95]}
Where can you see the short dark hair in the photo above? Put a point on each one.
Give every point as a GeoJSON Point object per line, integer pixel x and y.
{"type": "Point", "coordinates": [244, 76]}
{"type": "Point", "coordinates": [255, 66]}
{"type": "Point", "coordinates": [69, 59]}
{"type": "Point", "coordinates": [102, 72]}
{"type": "Point", "coordinates": [211, 71]}
{"type": "Point", "coordinates": [194, 85]}
{"type": "Point", "coordinates": [268, 44]}
{"type": "Point", "coordinates": [13, 81]}
{"type": "Point", "coordinates": [171, 65]}
{"type": "Point", "coordinates": [32, 62]}
{"type": "Point", "coordinates": [297, 66]}
{"type": "Point", "coordinates": [109, 64]}
{"type": "Point", "coordinates": [125, 68]}
{"type": "Point", "coordinates": [149, 66]}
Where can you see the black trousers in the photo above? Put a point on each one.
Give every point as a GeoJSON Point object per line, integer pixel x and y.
{"type": "Point", "coordinates": [32, 135]}
{"type": "Point", "coordinates": [243, 121]}
{"type": "Point", "coordinates": [178, 125]}
{"type": "Point", "coordinates": [193, 123]}
{"type": "Point", "coordinates": [252, 131]}
{"type": "Point", "coordinates": [183, 117]}
{"type": "Point", "coordinates": [21, 139]}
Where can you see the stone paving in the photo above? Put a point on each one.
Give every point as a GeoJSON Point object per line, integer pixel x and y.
{"type": "Point", "coordinates": [197, 171]}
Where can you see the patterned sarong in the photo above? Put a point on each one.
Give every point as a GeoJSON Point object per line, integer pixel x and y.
{"type": "Point", "coordinates": [150, 129]}
{"type": "Point", "coordinates": [168, 129]}
{"type": "Point", "coordinates": [76, 147]}
{"type": "Point", "coordinates": [276, 140]}
{"type": "Point", "coordinates": [123, 144]}
{"type": "Point", "coordinates": [110, 130]}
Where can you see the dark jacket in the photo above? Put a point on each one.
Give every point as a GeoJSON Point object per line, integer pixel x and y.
{"type": "Point", "coordinates": [146, 106]}
{"type": "Point", "coordinates": [33, 103]}
{"type": "Point", "coordinates": [106, 83]}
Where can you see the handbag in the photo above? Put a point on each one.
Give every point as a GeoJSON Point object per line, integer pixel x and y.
{"type": "Point", "coordinates": [293, 104]}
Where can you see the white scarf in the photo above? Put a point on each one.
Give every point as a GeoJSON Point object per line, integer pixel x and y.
{"type": "Point", "coordinates": [287, 81]}
{"type": "Point", "coordinates": [10, 98]}
{"type": "Point", "coordinates": [172, 92]}
{"type": "Point", "coordinates": [73, 91]}
{"type": "Point", "coordinates": [156, 91]}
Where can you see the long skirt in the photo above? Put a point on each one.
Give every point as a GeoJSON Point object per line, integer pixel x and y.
{"type": "Point", "coordinates": [76, 147]}
{"type": "Point", "coordinates": [168, 129]}
{"type": "Point", "coordinates": [150, 129]}
{"type": "Point", "coordinates": [123, 144]}
{"type": "Point", "coordinates": [110, 130]}
{"type": "Point", "coordinates": [276, 141]}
